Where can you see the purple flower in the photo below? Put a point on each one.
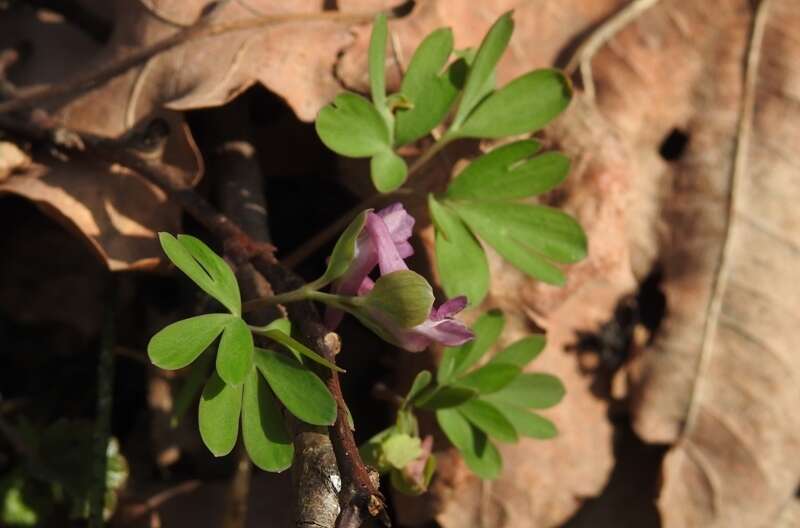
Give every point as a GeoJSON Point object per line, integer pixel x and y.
{"type": "Point", "coordinates": [384, 243]}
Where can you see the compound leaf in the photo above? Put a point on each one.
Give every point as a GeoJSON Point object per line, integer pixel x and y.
{"type": "Point", "coordinates": [263, 430]}
{"type": "Point", "coordinates": [521, 352]}
{"type": "Point", "coordinates": [460, 259]}
{"type": "Point", "coordinates": [456, 360]}
{"type": "Point", "coordinates": [352, 127]}
{"type": "Point", "coordinates": [524, 105]}
{"type": "Point", "coordinates": [510, 173]}
{"type": "Point", "coordinates": [206, 269]}
{"type": "Point", "coordinates": [235, 353]}
{"type": "Point", "coordinates": [299, 389]}
{"type": "Point", "coordinates": [488, 419]}
{"type": "Point", "coordinates": [531, 390]}
{"type": "Point", "coordinates": [218, 415]}
{"type": "Point", "coordinates": [180, 343]}
{"type": "Point", "coordinates": [482, 67]}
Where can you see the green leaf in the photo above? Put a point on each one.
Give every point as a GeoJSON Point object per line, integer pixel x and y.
{"type": "Point", "coordinates": [404, 296]}
{"type": "Point", "coordinates": [20, 505]}
{"type": "Point", "coordinates": [297, 348]}
{"type": "Point", "coordinates": [192, 386]}
{"type": "Point", "coordinates": [489, 378]}
{"type": "Point", "coordinates": [400, 449]}
{"type": "Point", "coordinates": [521, 352]}
{"type": "Point", "coordinates": [527, 423]}
{"type": "Point", "coordinates": [422, 380]}
{"type": "Point", "coordinates": [377, 61]}
{"type": "Point", "coordinates": [444, 397]}
{"type": "Point", "coordinates": [479, 453]}
{"type": "Point", "coordinates": [532, 390]}
{"type": "Point", "coordinates": [300, 390]}
{"type": "Point", "coordinates": [488, 419]}
{"type": "Point", "coordinates": [352, 127]}
{"type": "Point", "coordinates": [343, 252]}
{"type": "Point", "coordinates": [429, 87]}
{"type": "Point", "coordinates": [509, 173]}
{"type": "Point", "coordinates": [482, 67]}
{"type": "Point", "coordinates": [388, 170]}
{"type": "Point", "coordinates": [406, 422]}
{"type": "Point", "coordinates": [178, 344]}
{"type": "Point", "coordinates": [235, 353]}
{"type": "Point", "coordinates": [456, 428]}
{"type": "Point", "coordinates": [524, 105]}
{"type": "Point", "coordinates": [206, 269]}
{"type": "Point", "coordinates": [218, 415]}
{"type": "Point", "coordinates": [460, 259]}
{"type": "Point", "coordinates": [528, 236]}
{"type": "Point", "coordinates": [456, 360]}
{"type": "Point", "coordinates": [372, 450]}
{"type": "Point", "coordinates": [263, 430]}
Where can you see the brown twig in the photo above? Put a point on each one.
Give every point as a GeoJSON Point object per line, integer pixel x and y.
{"type": "Point", "coordinates": [105, 397]}
{"type": "Point", "coordinates": [135, 511]}
{"type": "Point", "coordinates": [359, 497]}
{"type": "Point", "coordinates": [204, 27]}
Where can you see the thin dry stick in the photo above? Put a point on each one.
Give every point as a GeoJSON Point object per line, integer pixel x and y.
{"type": "Point", "coordinates": [105, 400]}
{"type": "Point", "coordinates": [582, 58]}
{"type": "Point", "coordinates": [203, 28]}
{"type": "Point", "coordinates": [131, 513]}
{"type": "Point", "coordinates": [743, 133]}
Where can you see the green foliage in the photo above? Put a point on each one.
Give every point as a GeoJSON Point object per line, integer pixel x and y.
{"type": "Point", "coordinates": [265, 436]}
{"type": "Point", "coordinates": [299, 389]}
{"type": "Point", "coordinates": [180, 343]}
{"type": "Point", "coordinates": [444, 397]}
{"type": "Point", "coordinates": [476, 405]}
{"type": "Point", "coordinates": [429, 87]}
{"type": "Point", "coordinates": [294, 346]}
{"type": "Point", "coordinates": [398, 451]}
{"type": "Point", "coordinates": [480, 79]}
{"type": "Point", "coordinates": [206, 269]}
{"type": "Point", "coordinates": [218, 415]}
{"type": "Point", "coordinates": [510, 172]}
{"type": "Point", "coordinates": [343, 252]}
{"type": "Point", "coordinates": [456, 360]}
{"type": "Point", "coordinates": [481, 203]}
{"type": "Point", "coordinates": [460, 259]}
{"type": "Point", "coordinates": [235, 354]}
{"type": "Point", "coordinates": [234, 391]}
{"type": "Point", "coordinates": [57, 473]}
{"type": "Point", "coordinates": [354, 127]}
{"type": "Point", "coordinates": [512, 110]}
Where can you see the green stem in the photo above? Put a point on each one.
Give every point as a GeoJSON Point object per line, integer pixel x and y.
{"type": "Point", "coordinates": [341, 302]}
{"type": "Point", "coordinates": [300, 294]}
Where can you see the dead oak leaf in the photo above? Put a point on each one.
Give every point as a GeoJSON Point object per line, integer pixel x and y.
{"type": "Point", "coordinates": [721, 383]}
{"type": "Point", "coordinates": [98, 201]}
{"type": "Point", "coordinates": [115, 218]}
{"type": "Point", "coordinates": [292, 59]}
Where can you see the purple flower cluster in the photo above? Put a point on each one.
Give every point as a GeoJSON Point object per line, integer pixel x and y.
{"type": "Point", "coordinates": [384, 243]}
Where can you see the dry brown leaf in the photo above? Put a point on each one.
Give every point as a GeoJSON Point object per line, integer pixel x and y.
{"type": "Point", "coordinates": [294, 60]}
{"type": "Point", "coordinates": [118, 213]}
{"type": "Point", "coordinates": [736, 462]}
{"type": "Point", "coordinates": [115, 217]}
{"type": "Point", "coordinates": [12, 159]}
{"type": "Point", "coordinates": [542, 32]}
{"type": "Point", "coordinates": [721, 382]}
